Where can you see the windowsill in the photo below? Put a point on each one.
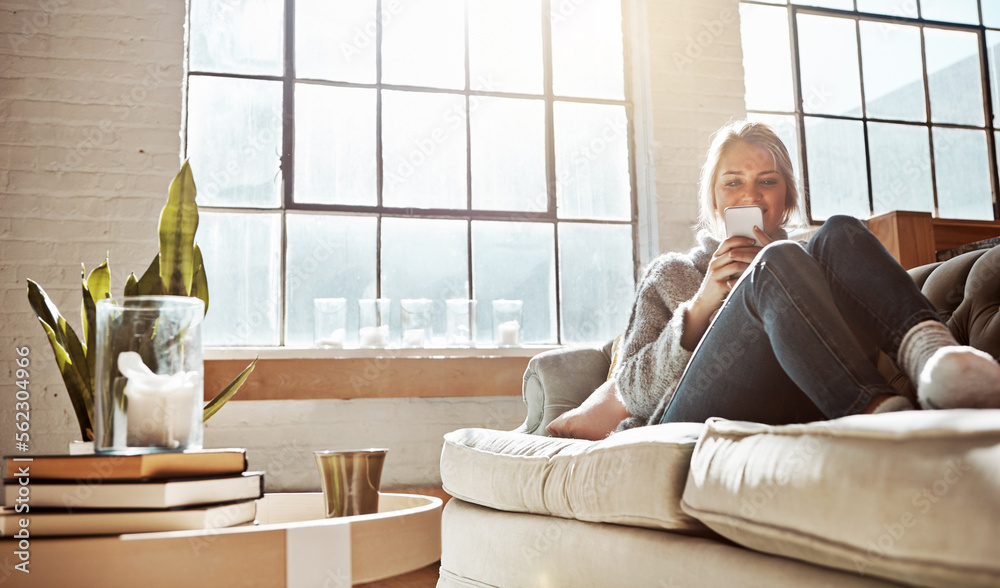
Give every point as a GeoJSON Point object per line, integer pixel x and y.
{"type": "Point", "coordinates": [308, 373]}
{"type": "Point", "coordinates": [264, 353]}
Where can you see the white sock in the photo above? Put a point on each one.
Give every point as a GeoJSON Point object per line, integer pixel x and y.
{"type": "Point", "coordinates": [946, 374]}
{"type": "Point", "coordinates": [959, 377]}
{"type": "Point", "coordinates": [919, 343]}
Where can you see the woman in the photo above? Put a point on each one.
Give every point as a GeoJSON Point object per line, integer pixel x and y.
{"type": "Point", "coordinates": [782, 334]}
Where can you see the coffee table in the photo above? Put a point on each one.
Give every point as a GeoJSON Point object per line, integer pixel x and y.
{"type": "Point", "coordinates": [293, 545]}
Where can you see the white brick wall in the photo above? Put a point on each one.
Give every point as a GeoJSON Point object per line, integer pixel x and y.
{"type": "Point", "coordinates": [89, 120]}
{"type": "Point", "coordinates": [696, 79]}
{"type": "Point", "coordinates": [90, 112]}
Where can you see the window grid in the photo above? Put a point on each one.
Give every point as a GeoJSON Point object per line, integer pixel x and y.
{"type": "Point", "coordinates": [380, 211]}
{"type": "Point", "coordinates": [989, 128]}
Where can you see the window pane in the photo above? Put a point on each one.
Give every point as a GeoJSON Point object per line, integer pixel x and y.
{"type": "Point", "coordinates": [828, 63]}
{"type": "Point", "coordinates": [894, 72]}
{"type": "Point", "coordinates": [505, 45]}
{"type": "Point", "coordinates": [423, 150]}
{"type": "Point", "coordinates": [596, 281]}
{"type": "Point", "coordinates": [592, 175]}
{"type": "Point", "coordinates": [838, 177]}
{"type": "Point", "coordinates": [787, 130]}
{"type": "Point", "coordinates": [840, 4]}
{"type": "Point", "coordinates": [767, 62]}
{"type": "Point", "coordinates": [954, 77]}
{"type": "Point", "coordinates": [963, 11]}
{"type": "Point", "coordinates": [962, 174]}
{"type": "Point", "coordinates": [237, 36]}
{"type": "Point", "coordinates": [891, 7]}
{"type": "Point", "coordinates": [423, 44]}
{"type": "Point", "coordinates": [327, 257]}
{"type": "Point", "coordinates": [993, 53]}
{"type": "Point", "coordinates": [424, 258]}
{"type": "Point", "coordinates": [901, 167]}
{"type": "Point", "coordinates": [991, 12]}
{"type": "Point", "coordinates": [508, 154]}
{"type": "Point", "coordinates": [243, 264]}
{"type": "Point", "coordinates": [587, 51]}
{"type": "Point", "coordinates": [516, 261]}
{"type": "Point", "coordinates": [335, 145]}
{"type": "Point", "coordinates": [234, 141]}
{"type": "Point", "coordinates": [335, 39]}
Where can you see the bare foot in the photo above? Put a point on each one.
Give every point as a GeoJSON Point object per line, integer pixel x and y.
{"type": "Point", "coordinates": [959, 377]}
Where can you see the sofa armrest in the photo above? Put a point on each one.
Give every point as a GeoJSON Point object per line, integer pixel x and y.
{"type": "Point", "coordinates": [559, 380]}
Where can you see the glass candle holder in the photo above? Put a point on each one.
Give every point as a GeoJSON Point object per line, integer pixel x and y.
{"type": "Point", "coordinates": [507, 322]}
{"type": "Point", "coordinates": [149, 380]}
{"type": "Point", "coordinates": [373, 322]}
{"type": "Point", "coordinates": [415, 316]}
{"type": "Point", "coordinates": [329, 322]}
{"type": "Point", "coordinates": [461, 322]}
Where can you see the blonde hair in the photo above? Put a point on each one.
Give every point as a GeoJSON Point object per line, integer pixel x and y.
{"type": "Point", "coordinates": [757, 134]}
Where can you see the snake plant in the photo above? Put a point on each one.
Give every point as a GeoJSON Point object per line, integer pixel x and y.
{"type": "Point", "coordinates": [176, 270]}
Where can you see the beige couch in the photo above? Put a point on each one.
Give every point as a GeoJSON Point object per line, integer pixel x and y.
{"type": "Point", "coordinates": [910, 498]}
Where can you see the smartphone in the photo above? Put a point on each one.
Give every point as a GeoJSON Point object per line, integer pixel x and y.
{"type": "Point", "coordinates": [740, 221]}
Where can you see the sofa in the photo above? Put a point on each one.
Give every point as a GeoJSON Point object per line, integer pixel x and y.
{"type": "Point", "coordinates": [897, 499]}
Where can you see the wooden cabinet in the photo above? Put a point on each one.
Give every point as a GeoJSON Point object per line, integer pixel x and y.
{"type": "Point", "coordinates": [914, 238]}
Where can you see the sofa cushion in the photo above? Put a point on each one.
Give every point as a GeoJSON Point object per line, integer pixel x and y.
{"type": "Point", "coordinates": [482, 547]}
{"type": "Point", "coordinates": [911, 496]}
{"type": "Point", "coordinates": [635, 477]}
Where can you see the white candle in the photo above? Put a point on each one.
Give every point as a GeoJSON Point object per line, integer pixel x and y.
{"type": "Point", "coordinates": [413, 338]}
{"type": "Point", "coordinates": [509, 332]}
{"type": "Point", "coordinates": [374, 336]}
{"type": "Point", "coordinates": [334, 339]}
{"type": "Point", "coordinates": [160, 408]}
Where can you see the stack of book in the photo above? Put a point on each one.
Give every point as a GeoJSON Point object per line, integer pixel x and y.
{"type": "Point", "coordinates": [102, 494]}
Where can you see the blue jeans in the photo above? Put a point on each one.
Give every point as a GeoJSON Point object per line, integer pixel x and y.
{"type": "Point", "coordinates": [793, 342]}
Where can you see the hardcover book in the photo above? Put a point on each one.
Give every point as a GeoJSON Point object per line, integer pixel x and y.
{"type": "Point", "coordinates": [88, 494]}
{"type": "Point", "coordinates": [55, 522]}
{"type": "Point", "coordinates": [176, 464]}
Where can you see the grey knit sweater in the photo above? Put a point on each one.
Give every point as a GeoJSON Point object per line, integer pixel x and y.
{"type": "Point", "coordinates": [651, 359]}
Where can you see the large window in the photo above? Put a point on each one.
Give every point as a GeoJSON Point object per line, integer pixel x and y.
{"type": "Point", "coordinates": [890, 103]}
{"type": "Point", "coordinates": [412, 149]}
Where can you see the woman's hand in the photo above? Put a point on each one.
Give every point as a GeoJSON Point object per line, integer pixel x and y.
{"type": "Point", "coordinates": [730, 260]}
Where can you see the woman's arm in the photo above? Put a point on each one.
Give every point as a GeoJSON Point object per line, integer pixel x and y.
{"type": "Point", "coordinates": [730, 260]}
{"type": "Point", "coordinates": [651, 356]}
{"type": "Point", "coordinates": [674, 305]}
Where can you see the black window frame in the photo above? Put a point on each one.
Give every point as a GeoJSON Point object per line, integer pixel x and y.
{"type": "Point", "coordinates": [289, 80]}
{"type": "Point", "coordinates": [989, 127]}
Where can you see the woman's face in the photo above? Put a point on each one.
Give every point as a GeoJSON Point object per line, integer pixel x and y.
{"type": "Point", "coordinates": [748, 176]}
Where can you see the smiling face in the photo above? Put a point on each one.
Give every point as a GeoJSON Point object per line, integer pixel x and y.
{"type": "Point", "coordinates": [748, 175]}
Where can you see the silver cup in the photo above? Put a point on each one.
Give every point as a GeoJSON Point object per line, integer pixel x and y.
{"type": "Point", "coordinates": [350, 480]}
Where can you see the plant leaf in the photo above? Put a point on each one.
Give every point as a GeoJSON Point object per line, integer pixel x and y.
{"type": "Point", "coordinates": [43, 307]}
{"type": "Point", "coordinates": [221, 398]}
{"type": "Point", "coordinates": [150, 283]}
{"type": "Point", "coordinates": [70, 357]}
{"type": "Point", "coordinates": [132, 285]}
{"type": "Point", "coordinates": [89, 315]}
{"type": "Point", "coordinates": [99, 282]}
{"type": "Point", "coordinates": [96, 287]}
{"type": "Point", "coordinates": [79, 395]}
{"type": "Point", "coordinates": [77, 355]}
{"type": "Point", "coordinates": [199, 284]}
{"type": "Point", "coordinates": [83, 303]}
{"type": "Point", "coordinates": [178, 223]}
